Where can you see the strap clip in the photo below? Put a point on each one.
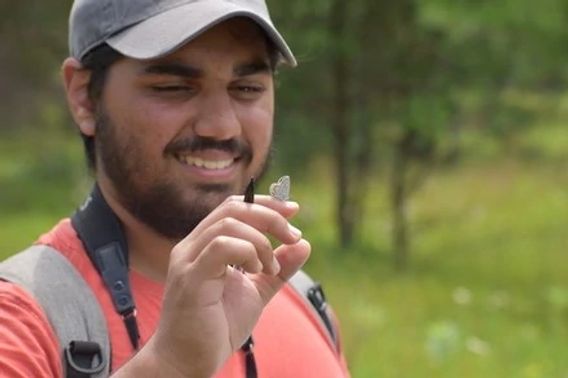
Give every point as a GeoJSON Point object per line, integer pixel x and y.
{"type": "Point", "coordinates": [129, 319]}
{"type": "Point", "coordinates": [317, 299]}
{"type": "Point", "coordinates": [83, 359]}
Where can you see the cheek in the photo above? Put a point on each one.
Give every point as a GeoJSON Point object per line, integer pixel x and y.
{"type": "Point", "coordinates": [148, 124]}
{"type": "Point", "coordinates": [257, 126]}
{"type": "Point", "coordinates": [138, 116]}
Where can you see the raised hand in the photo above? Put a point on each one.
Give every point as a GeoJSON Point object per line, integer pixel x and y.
{"type": "Point", "coordinates": [210, 306]}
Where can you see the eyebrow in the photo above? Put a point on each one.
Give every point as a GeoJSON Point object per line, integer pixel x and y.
{"type": "Point", "coordinates": [174, 69]}
{"type": "Point", "coordinates": [252, 68]}
{"type": "Point", "coordinates": [190, 72]}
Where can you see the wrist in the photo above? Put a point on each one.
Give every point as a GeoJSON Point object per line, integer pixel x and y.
{"type": "Point", "coordinates": [152, 361]}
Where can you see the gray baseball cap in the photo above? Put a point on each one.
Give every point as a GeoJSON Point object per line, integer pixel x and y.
{"type": "Point", "coordinates": [145, 29]}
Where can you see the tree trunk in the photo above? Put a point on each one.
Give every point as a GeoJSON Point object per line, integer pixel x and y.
{"type": "Point", "coordinates": [339, 119]}
{"type": "Point", "coordinates": [361, 172]}
{"type": "Point", "coordinates": [398, 206]}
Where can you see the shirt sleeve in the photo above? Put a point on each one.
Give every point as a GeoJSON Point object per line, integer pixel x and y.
{"type": "Point", "coordinates": [28, 346]}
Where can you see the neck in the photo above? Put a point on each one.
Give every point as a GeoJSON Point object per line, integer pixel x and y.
{"type": "Point", "coordinates": [148, 251]}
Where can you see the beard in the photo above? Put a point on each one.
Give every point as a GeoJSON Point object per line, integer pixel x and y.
{"type": "Point", "coordinates": [159, 200]}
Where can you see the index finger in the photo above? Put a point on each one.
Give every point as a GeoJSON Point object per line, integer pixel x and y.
{"type": "Point", "coordinates": [263, 218]}
{"type": "Point", "coordinates": [287, 209]}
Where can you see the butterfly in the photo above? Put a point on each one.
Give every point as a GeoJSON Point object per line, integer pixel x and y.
{"type": "Point", "coordinates": [280, 190]}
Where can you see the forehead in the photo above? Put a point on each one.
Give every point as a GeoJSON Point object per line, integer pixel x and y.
{"type": "Point", "coordinates": [238, 38]}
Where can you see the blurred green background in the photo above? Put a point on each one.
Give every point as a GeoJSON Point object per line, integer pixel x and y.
{"type": "Point", "coordinates": [427, 142]}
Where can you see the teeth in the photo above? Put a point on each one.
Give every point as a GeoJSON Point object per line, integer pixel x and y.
{"type": "Point", "coordinates": [207, 164]}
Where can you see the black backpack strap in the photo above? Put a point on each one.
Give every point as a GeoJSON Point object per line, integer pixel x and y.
{"type": "Point", "coordinates": [70, 306]}
{"type": "Point", "coordinates": [313, 295]}
{"type": "Point", "coordinates": [101, 233]}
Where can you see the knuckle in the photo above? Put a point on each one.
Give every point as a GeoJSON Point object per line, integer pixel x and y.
{"type": "Point", "coordinates": [177, 250]}
{"type": "Point", "coordinates": [231, 199]}
{"type": "Point", "coordinates": [278, 223]}
{"type": "Point", "coordinates": [220, 242]}
{"type": "Point", "coordinates": [233, 206]}
{"type": "Point", "coordinates": [228, 223]}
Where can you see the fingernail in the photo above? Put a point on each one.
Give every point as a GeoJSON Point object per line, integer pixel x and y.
{"type": "Point", "coordinates": [292, 204]}
{"type": "Point", "coordinates": [297, 233]}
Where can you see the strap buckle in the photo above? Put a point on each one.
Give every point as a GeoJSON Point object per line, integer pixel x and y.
{"type": "Point", "coordinates": [317, 298]}
{"type": "Point", "coordinates": [83, 359]}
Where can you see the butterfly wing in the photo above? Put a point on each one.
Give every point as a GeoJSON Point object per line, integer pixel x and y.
{"type": "Point", "coordinates": [281, 189]}
{"type": "Point", "coordinates": [284, 187]}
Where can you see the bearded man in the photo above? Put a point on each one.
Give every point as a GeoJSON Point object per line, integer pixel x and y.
{"type": "Point", "coordinates": [174, 100]}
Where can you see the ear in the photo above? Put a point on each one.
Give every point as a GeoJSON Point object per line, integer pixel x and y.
{"type": "Point", "coordinates": [76, 80]}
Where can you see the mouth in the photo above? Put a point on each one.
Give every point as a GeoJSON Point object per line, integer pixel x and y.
{"type": "Point", "coordinates": [210, 159]}
{"type": "Point", "coordinates": [209, 164]}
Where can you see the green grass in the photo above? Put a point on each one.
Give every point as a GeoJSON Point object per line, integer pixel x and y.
{"type": "Point", "coordinates": [486, 293]}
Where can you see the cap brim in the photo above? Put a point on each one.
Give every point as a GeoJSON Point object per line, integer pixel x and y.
{"type": "Point", "coordinates": [165, 32]}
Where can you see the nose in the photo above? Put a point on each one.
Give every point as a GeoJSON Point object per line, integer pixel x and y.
{"type": "Point", "coordinates": [217, 118]}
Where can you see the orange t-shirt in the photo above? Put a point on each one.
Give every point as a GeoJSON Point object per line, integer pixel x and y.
{"type": "Point", "coordinates": [289, 342]}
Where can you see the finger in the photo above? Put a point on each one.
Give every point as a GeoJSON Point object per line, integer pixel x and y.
{"type": "Point", "coordinates": [223, 251]}
{"type": "Point", "coordinates": [286, 208]}
{"type": "Point", "coordinates": [291, 259]}
{"type": "Point", "coordinates": [236, 229]}
{"type": "Point", "coordinates": [263, 218]}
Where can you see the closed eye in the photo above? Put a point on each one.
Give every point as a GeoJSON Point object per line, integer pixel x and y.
{"type": "Point", "coordinates": [171, 88]}
{"type": "Point", "coordinates": [247, 91]}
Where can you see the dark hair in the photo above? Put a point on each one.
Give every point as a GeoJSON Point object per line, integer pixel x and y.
{"type": "Point", "coordinates": [99, 60]}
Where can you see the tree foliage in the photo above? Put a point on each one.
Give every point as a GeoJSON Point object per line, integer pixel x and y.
{"type": "Point", "coordinates": [382, 85]}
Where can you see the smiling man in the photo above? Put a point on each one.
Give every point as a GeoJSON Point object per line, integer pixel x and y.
{"type": "Point", "coordinates": [174, 100]}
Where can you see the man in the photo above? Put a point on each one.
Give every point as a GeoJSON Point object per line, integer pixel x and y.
{"type": "Point", "coordinates": [175, 103]}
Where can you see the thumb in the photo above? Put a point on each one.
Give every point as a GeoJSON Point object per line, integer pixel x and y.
{"type": "Point", "coordinates": [291, 258]}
